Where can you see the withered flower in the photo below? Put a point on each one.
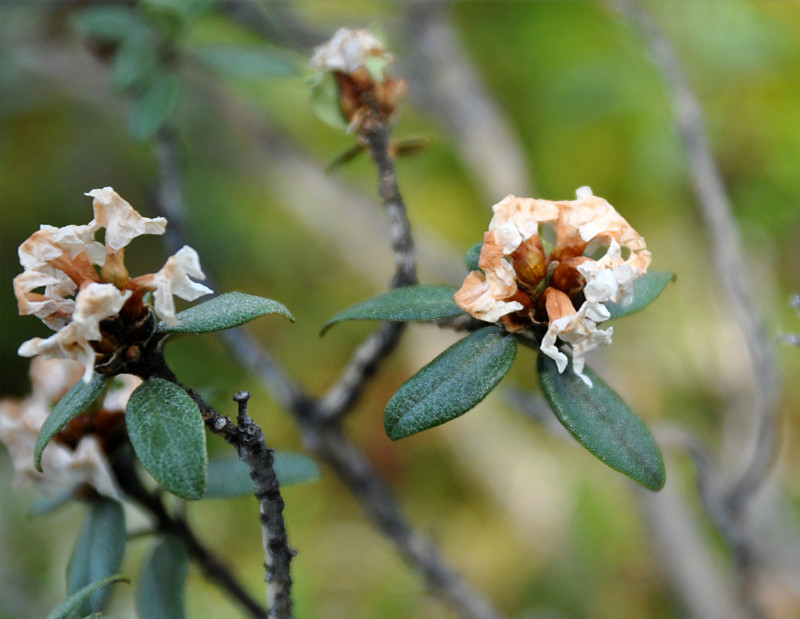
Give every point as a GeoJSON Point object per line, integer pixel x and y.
{"type": "Point", "coordinates": [68, 463]}
{"type": "Point", "coordinates": [358, 61]}
{"type": "Point", "coordinates": [99, 313]}
{"type": "Point", "coordinates": [560, 292]}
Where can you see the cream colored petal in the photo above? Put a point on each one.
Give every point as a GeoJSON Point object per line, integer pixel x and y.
{"type": "Point", "coordinates": [116, 398]}
{"type": "Point", "coordinates": [348, 51]}
{"type": "Point", "coordinates": [583, 336]}
{"type": "Point", "coordinates": [49, 243]}
{"type": "Point", "coordinates": [52, 378]}
{"type": "Point", "coordinates": [475, 297]}
{"type": "Point", "coordinates": [39, 305]}
{"type": "Point", "coordinates": [524, 213]}
{"type": "Point", "coordinates": [94, 303]}
{"type": "Point", "coordinates": [121, 221]}
{"type": "Point", "coordinates": [173, 280]}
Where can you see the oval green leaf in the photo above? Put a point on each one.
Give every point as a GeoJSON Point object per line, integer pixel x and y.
{"type": "Point", "coordinates": [325, 102]}
{"type": "Point", "coordinates": [98, 551]}
{"type": "Point", "coordinates": [167, 433]}
{"type": "Point", "coordinates": [645, 290]}
{"type": "Point", "coordinates": [151, 108]}
{"type": "Point", "coordinates": [136, 60]}
{"type": "Point", "coordinates": [603, 423]}
{"type": "Point", "coordinates": [159, 591]}
{"type": "Point", "coordinates": [109, 23]}
{"type": "Point", "coordinates": [244, 62]}
{"type": "Point", "coordinates": [230, 477]}
{"type": "Point", "coordinates": [472, 256]}
{"type": "Point", "coordinates": [224, 312]}
{"type": "Point", "coordinates": [402, 304]}
{"type": "Point", "coordinates": [68, 607]}
{"type": "Point", "coordinates": [77, 400]}
{"type": "Point", "coordinates": [451, 384]}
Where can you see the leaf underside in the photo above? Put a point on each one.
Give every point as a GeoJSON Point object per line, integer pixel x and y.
{"type": "Point", "coordinates": [161, 583]}
{"type": "Point", "coordinates": [603, 423]}
{"type": "Point", "coordinates": [229, 476]}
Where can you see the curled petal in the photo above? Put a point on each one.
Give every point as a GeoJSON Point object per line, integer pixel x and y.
{"type": "Point", "coordinates": [51, 308]}
{"type": "Point", "coordinates": [348, 51]}
{"type": "Point", "coordinates": [49, 243]}
{"type": "Point", "coordinates": [64, 469]}
{"type": "Point", "coordinates": [120, 219]}
{"type": "Point", "coordinates": [476, 298]}
{"type": "Point", "coordinates": [173, 280]}
{"type": "Point", "coordinates": [524, 213]}
{"type": "Point", "coordinates": [94, 303]}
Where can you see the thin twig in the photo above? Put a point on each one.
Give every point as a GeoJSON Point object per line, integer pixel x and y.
{"type": "Point", "coordinates": [727, 253]}
{"type": "Point", "coordinates": [212, 567]}
{"type": "Point", "coordinates": [327, 440]}
{"type": "Point", "coordinates": [248, 440]}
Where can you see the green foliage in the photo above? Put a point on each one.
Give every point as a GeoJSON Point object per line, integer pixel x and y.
{"type": "Point", "coordinates": [111, 24]}
{"type": "Point", "coordinates": [325, 102]}
{"type": "Point", "coordinates": [136, 61]}
{"type": "Point", "coordinates": [161, 584]}
{"type": "Point", "coordinates": [602, 422]}
{"type": "Point", "coordinates": [151, 108]}
{"type": "Point", "coordinates": [98, 551]}
{"type": "Point", "coordinates": [401, 304]}
{"type": "Point", "coordinates": [167, 433]}
{"type": "Point", "coordinates": [224, 312]}
{"type": "Point", "coordinates": [645, 290]}
{"type": "Point", "coordinates": [472, 256]}
{"type": "Point", "coordinates": [229, 476]}
{"type": "Point", "coordinates": [77, 400]}
{"type": "Point", "coordinates": [244, 62]}
{"type": "Point", "coordinates": [69, 607]}
{"type": "Point", "coordinates": [451, 384]}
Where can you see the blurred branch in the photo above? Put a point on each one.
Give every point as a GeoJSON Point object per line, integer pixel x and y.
{"type": "Point", "coordinates": [212, 567]}
{"type": "Point", "coordinates": [324, 435]}
{"type": "Point", "coordinates": [248, 440]}
{"type": "Point", "coordinates": [727, 253]}
{"type": "Point", "coordinates": [443, 82]}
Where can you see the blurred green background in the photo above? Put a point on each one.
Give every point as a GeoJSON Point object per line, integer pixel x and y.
{"type": "Point", "coordinates": [534, 521]}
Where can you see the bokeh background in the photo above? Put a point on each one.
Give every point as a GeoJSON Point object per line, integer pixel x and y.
{"type": "Point", "coordinates": [533, 98]}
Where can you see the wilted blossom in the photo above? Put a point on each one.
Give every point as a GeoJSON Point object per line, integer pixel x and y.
{"type": "Point", "coordinates": [563, 290]}
{"type": "Point", "coordinates": [73, 459]}
{"type": "Point", "coordinates": [358, 61]}
{"type": "Point", "coordinates": [85, 286]}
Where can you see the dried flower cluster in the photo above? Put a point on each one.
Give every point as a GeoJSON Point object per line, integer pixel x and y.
{"type": "Point", "coordinates": [526, 287]}
{"type": "Point", "coordinates": [98, 311]}
{"type": "Point", "coordinates": [358, 61]}
{"type": "Point", "coordinates": [76, 457]}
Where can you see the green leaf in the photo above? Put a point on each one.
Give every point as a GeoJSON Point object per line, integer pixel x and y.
{"type": "Point", "coordinates": [159, 592]}
{"type": "Point", "coordinates": [135, 62]}
{"type": "Point", "coordinates": [401, 304]}
{"type": "Point", "coordinates": [98, 551]}
{"type": "Point", "coordinates": [244, 62]}
{"type": "Point", "coordinates": [472, 256]}
{"type": "Point", "coordinates": [77, 400]}
{"type": "Point", "coordinates": [224, 312]}
{"type": "Point", "coordinates": [70, 606]}
{"type": "Point", "coordinates": [645, 290]}
{"type": "Point", "coordinates": [167, 433]}
{"type": "Point", "coordinates": [229, 476]}
{"type": "Point", "coordinates": [325, 102]}
{"type": "Point", "coordinates": [451, 384]}
{"type": "Point", "coordinates": [109, 23]}
{"type": "Point", "coordinates": [603, 423]}
{"type": "Point", "coordinates": [151, 108]}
